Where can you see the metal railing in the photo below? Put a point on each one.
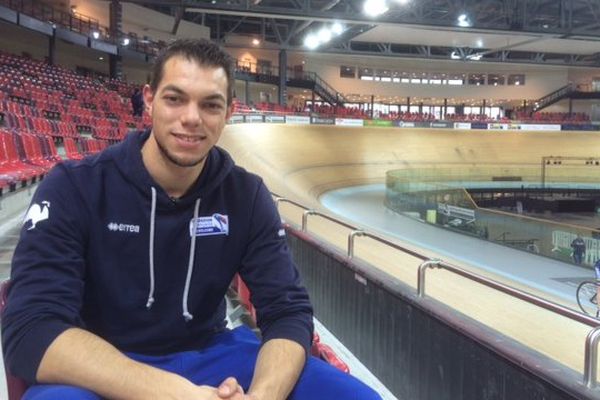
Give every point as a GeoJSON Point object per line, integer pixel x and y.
{"type": "Point", "coordinates": [592, 339]}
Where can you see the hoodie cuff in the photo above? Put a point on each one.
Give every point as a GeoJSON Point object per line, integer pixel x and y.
{"type": "Point", "coordinates": [295, 330]}
{"type": "Point", "coordinates": [26, 357]}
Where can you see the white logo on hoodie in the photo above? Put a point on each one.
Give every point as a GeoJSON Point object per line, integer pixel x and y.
{"type": "Point", "coordinates": [37, 213]}
{"type": "Point", "coordinates": [116, 227]}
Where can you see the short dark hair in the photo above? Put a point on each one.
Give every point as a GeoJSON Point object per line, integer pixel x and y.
{"type": "Point", "coordinates": [202, 51]}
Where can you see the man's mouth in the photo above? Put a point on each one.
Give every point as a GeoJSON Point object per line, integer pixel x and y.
{"type": "Point", "coordinates": [189, 138]}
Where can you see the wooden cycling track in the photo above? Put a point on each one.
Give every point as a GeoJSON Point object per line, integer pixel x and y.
{"type": "Point", "coordinates": [301, 162]}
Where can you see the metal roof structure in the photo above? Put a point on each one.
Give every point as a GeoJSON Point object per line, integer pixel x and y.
{"type": "Point", "coordinates": [551, 32]}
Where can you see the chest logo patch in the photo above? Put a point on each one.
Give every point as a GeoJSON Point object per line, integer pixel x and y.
{"type": "Point", "coordinates": [216, 224]}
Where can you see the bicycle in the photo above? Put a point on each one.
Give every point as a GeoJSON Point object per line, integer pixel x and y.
{"type": "Point", "coordinates": [587, 292]}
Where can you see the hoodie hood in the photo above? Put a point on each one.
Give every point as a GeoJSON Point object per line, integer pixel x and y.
{"type": "Point", "coordinates": [128, 159]}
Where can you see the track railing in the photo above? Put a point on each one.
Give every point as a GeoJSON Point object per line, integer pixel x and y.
{"type": "Point", "coordinates": [592, 339]}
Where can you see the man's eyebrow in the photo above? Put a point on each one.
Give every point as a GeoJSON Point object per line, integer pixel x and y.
{"type": "Point", "coordinates": [172, 88]}
{"type": "Point", "coordinates": [216, 96]}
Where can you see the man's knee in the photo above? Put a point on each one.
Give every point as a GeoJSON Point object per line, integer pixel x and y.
{"type": "Point", "coordinates": [320, 380]}
{"type": "Point", "coordinates": [58, 392]}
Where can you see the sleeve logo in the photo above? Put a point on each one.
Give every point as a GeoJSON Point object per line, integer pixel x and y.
{"type": "Point", "coordinates": [216, 224]}
{"type": "Point", "coordinates": [37, 213]}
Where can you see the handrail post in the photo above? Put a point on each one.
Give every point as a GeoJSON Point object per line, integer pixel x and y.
{"type": "Point", "coordinates": [351, 236]}
{"type": "Point", "coordinates": [277, 201]}
{"type": "Point", "coordinates": [305, 215]}
{"type": "Point", "coordinates": [434, 262]}
{"type": "Point", "coordinates": [590, 366]}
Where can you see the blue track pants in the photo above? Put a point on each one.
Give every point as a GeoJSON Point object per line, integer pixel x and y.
{"type": "Point", "coordinates": [232, 353]}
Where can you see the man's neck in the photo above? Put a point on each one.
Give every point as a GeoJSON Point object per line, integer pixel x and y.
{"type": "Point", "coordinates": [175, 180]}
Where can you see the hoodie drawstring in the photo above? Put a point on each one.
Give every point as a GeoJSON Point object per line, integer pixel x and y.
{"type": "Point", "coordinates": [151, 250]}
{"type": "Point", "coordinates": [186, 290]}
{"type": "Point", "coordinates": [186, 314]}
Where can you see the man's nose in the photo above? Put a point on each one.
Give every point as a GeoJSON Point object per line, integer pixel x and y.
{"type": "Point", "coordinates": [191, 116]}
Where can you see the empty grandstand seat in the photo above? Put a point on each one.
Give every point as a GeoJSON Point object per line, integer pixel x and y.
{"type": "Point", "coordinates": [16, 387]}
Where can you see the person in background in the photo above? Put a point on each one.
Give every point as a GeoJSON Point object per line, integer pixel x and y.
{"type": "Point", "coordinates": [137, 103]}
{"type": "Point", "coordinates": [117, 287]}
{"type": "Point", "coordinates": [578, 246]}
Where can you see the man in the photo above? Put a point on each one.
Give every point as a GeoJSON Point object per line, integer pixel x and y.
{"type": "Point", "coordinates": [578, 246]}
{"type": "Point", "coordinates": [117, 292]}
{"type": "Point", "coordinates": [137, 103]}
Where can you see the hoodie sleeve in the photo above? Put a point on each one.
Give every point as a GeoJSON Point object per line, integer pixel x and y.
{"type": "Point", "coordinates": [282, 304]}
{"type": "Point", "coordinates": [46, 289]}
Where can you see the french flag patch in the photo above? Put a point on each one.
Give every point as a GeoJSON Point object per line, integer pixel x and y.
{"type": "Point", "coordinates": [216, 224]}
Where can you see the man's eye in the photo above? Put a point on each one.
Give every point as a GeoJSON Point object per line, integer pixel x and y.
{"type": "Point", "coordinates": [172, 99]}
{"type": "Point", "coordinates": [214, 106]}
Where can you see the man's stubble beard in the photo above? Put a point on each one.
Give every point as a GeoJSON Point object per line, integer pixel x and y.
{"type": "Point", "coordinates": [175, 160]}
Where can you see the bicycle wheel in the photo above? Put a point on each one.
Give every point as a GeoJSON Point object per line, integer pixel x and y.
{"type": "Point", "coordinates": [586, 293]}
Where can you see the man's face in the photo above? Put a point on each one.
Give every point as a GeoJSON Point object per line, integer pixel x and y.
{"type": "Point", "coordinates": [188, 109]}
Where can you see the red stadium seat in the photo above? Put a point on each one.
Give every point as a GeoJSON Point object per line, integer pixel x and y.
{"type": "Point", "coordinates": [16, 386]}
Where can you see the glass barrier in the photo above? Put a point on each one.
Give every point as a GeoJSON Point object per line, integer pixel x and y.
{"type": "Point", "coordinates": [437, 196]}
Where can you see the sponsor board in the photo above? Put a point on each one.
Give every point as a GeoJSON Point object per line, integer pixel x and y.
{"type": "Point", "coordinates": [462, 125]}
{"type": "Point", "coordinates": [445, 125]}
{"type": "Point", "coordinates": [479, 125]}
{"type": "Point", "coordinates": [422, 124]}
{"type": "Point", "coordinates": [580, 127]}
{"type": "Point", "coordinates": [297, 119]}
{"type": "Point", "coordinates": [349, 122]}
{"type": "Point", "coordinates": [276, 119]}
{"type": "Point", "coordinates": [378, 122]}
{"type": "Point", "coordinates": [498, 127]}
{"type": "Point", "coordinates": [236, 119]}
{"type": "Point", "coordinates": [540, 127]}
{"type": "Point", "coordinates": [254, 118]}
{"type": "Point", "coordinates": [323, 121]}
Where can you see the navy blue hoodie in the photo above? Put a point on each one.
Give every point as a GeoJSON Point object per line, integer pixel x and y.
{"type": "Point", "coordinates": [104, 248]}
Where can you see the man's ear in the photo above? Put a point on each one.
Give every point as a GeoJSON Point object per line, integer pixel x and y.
{"type": "Point", "coordinates": [148, 95]}
{"type": "Point", "coordinates": [229, 112]}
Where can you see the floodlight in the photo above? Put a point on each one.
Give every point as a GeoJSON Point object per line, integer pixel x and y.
{"type": "Point", "coordinates": [95, 34]}
{"type": "Point", "coordinates": [463, 21]}
{"type": "Point", "coordinates": [337, 29]}
{"type": "Point", "coordinates": [374, 8]}
{"type": "Point", "coordinates": [324, 35]}
{"type": "Point", "coordinates": [311, 41]}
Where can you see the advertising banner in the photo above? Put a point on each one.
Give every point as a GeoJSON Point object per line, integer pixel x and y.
{"type": "Point", "coordinates": [498, 127]}
{"type": "Point", "coordinates": [378, 122]}
{"type": "Point", "coordinates": [297, 119]}
{"type": "Point", "coordinates": [275, 119]}
{"type": "Point", "coordinates": [441, 124]}
{"type": "Point", "coordinates": [421, 124]}
{"type": "Point", "coordinates": [541, 127]}
{"type": "Point", "coordinates": [479, 125]}
{"type": "Point", "coordinates": [323, 121]}
{"type": "Point", "coordinates": [254, 118]}
{"type": "Point", "coordinates": [462, 125]}
{"type": "Point", "coordinates": [349, 122]}
{"type": "Point", "coordinates": [236, 119]}
{"type": "Point", "coordinates": [580, 127]}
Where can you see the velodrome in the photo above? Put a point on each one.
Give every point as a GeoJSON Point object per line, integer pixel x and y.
{"type": "Point", "coordinates": [301, 162]}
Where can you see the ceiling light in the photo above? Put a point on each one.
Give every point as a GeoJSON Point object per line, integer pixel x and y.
{"type": "Point", "coordinates": [311, 41]}
{"type": "Point", "coordinates": [324, 35]}
{"type": "Point", "coordinates": [373, 8]}
{"type": "Point", "coordinates": [255, 42]}
{"type": "Point", "coordinates": [463, 21]}
{"type": "Point", "coordinates": [454, 56]}
{"type": "Point", "coordinates": [125, 41]}
{"type": "Point", "coordinates": [95, 34]}
{"type": "Point", "coordinates": [479, 43]}
{"type": "Point", "coordinates": [337, 28]}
